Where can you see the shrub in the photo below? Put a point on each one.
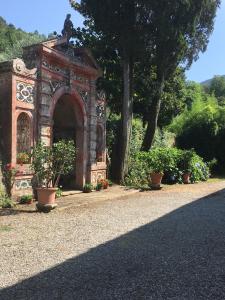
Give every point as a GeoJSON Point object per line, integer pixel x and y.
{"type": "Point", "coordinates": [59, 192]}
{"type": "Point", "coordinates": [113, 130]}
{"type": "Point", "coordinates": [6, 202]}
{"type": "Point", "coordinates": [199, 169]}
{"type": "Point", "coordinates": [172, 162]}
{"type": "Point", "coordinates": [158, 160]}
{"type": "Point", "coordinates": [138, 173]}
{"type": "Point", "coordinates": [163, 138]}
{"type": "Point", "coordinates": [202, 127]}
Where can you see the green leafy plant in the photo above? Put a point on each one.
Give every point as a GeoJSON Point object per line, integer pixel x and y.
{"type": "Point", "coordinates": [172, 162]}
{"type": "Point", "coordinates": [110, 182]}
{"type": "Point", "coordinates": [158, 160]}
{"type": "Point", "coordinates": [59, 192]}
{"type": "Point", "coordinates": [26, 199]}
{"type": "Point", "coordinates": [199, 169]}
{"type": "Point", "coordinates": [6, 202]}
{"type": "Point", "coordinates": [49, 163]}
{"type": "Point", "coordinates": [185, 162]}
{"type": "Point", "coordinates": [88, 187]}
{"type": "Point", "coordinates": [99, 186]}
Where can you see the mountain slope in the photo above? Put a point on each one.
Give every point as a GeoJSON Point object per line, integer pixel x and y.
{"type": "Point", "coordinates": [12, 40]}
{"type": "Point", "coordinates": [208, 82]}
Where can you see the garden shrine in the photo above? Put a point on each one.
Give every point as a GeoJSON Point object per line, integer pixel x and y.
{"type": "Point", "coordinates": [51, 95]}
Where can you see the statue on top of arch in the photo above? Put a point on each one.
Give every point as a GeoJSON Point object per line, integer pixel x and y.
{"type": "Point", "coordinates": [68, 29]}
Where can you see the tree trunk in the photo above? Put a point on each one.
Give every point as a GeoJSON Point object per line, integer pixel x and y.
{"type": "Point", "coordinates": [126, 118]}
{"type": "Point", "coordinates": [153, 117]}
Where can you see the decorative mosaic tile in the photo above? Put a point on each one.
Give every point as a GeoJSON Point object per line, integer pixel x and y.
{"type": "Point", "coordinates": [100, 110]}
{"type": "Point", "coordinates": [24, 92]}
{"type": "Point", "coordinates": [23, 184]}
{"type": "Point", "coordinates": [55, 68]}
{"type": "Point", "coordinates": [84, 94]}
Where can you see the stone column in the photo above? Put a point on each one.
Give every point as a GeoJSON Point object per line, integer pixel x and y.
{"type": "Point", "coordinates": [92, 125]}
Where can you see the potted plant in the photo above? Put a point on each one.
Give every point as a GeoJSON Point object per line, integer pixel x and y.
{"type": "Point", "coordinates": [88, 187]}
{"type": "Point", "coordinates": [104, 183]}
{"type": "Point", "coordinates": [26, 199]}
{"type": "Point", "coordinates": [157, 161]}
{"type": "Point", "coordinates": [185, 165]}
{"type": "Point", "coordinates": [98, 186]}
{"type": "Point", "coordinates": [48, 164]}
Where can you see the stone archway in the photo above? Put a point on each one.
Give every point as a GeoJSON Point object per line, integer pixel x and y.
{"type": "Point", "coordinates": [69, 123]}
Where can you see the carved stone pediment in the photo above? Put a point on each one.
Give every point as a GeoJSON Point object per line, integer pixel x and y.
{"type": "Point", "coordinates": [20, 68]}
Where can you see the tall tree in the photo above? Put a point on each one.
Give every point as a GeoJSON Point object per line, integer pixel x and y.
{"type": "Point", "coordinates": [180, 30]}
{"type": "Point", "coordinates": [116, 21]}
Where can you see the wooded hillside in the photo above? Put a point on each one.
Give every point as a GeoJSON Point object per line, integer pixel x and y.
{"type": "Point", "coordinates": [12, 40]}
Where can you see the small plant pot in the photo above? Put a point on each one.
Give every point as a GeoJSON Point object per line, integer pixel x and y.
{"type": "Point", "coordinates": [98, 188]}
{"type": "Point", "coordinates": [156, 179]}
{"type": "Point", "coordinates": [26, 202]}
{"type": "Point", "coordinates": [46, 199]}
{"type": "Point", "coordinates": [87, 191]}
{"type": "Point", "coordinates": [186, 178]}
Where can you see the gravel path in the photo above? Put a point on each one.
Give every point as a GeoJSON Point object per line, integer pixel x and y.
{"type": "Point", "coordinates": [167, 244]}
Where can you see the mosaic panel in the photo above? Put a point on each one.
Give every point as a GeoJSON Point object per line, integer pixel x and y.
{"type": "Point", "coordinates": [55, 85]}
{"type": "Point", "coordinates": [97, 175]}
{"type": "Point", "coordinates": [54, 68]}
{"type": "Point", "coordinates": [79, 78]}
{"type": "Point", "coordinates": [23, 184]}
{"type": "Point", "coordinates": [84, 94]}
{"type": "Point", "coordinates": [100, 110]}
{"type": "Point", "coordinates": [101, 95]}
{"type": "Point", "coordinates": [25, 92]}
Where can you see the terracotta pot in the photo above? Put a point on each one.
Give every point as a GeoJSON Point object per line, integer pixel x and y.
{"type": "Point", "coordinates": [30, 201]}
{"type": "Point", "coordinates": [186, 178]}
{"type": "Point", "coordinates": [156, 179]}
{"type": "Point", "coordinates": [46, 196]}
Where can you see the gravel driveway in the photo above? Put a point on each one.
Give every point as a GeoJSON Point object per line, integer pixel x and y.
{"type": "Point", "coordinates": [167, 244]}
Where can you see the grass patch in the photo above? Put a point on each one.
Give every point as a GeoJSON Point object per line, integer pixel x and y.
{"type": "Point", "coordinates": [216, 179]}
{"type": "Point", "coordinates": [5, 228]}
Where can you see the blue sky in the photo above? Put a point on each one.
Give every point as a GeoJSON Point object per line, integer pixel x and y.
{"type": "Point", "coordinates": [48, 15]}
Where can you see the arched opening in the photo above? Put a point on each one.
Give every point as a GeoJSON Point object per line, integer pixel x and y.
{"type": "Point", "coordinates": [68, 124]}
{"type": "Point", "coordinates": [23, 135]}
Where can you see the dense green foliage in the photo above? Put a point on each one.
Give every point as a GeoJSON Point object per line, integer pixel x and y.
{"type": "Point", "coordinates": [5, 200]}
{"type": "Point", "coordinates": [12, 40]}
{"type": "Point", "coordinates": [202, 126]}
{"type": "Point", "coordinates": [216, 87]}
{"type": "Point", "coordinates": [172, 162]}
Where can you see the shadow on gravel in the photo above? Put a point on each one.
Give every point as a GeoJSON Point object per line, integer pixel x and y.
{"type": "Point", "coordinates": [12, 211]}
{"type": "Point", "coordinates": [179, 256]}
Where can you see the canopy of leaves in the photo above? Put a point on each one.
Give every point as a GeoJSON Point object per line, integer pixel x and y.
{"type": "Point", "coordinates": [202, 126]}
